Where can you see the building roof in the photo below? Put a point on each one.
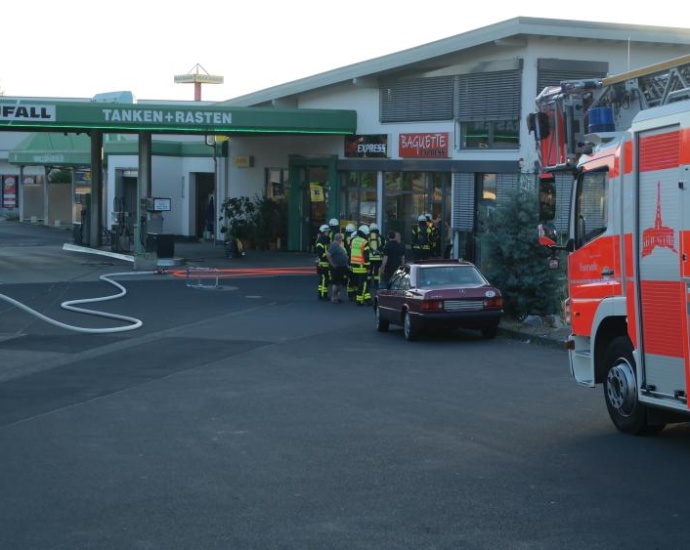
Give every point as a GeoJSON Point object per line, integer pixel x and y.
{"type": "Point", "coordinates": [510, 32]}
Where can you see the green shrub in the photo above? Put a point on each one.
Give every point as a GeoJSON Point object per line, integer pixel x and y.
{"type": "Point", "coordinates": [259, 221]}
{"type": "Point", "coordinates": [515, 262]}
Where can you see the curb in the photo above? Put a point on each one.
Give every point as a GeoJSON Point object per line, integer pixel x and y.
{"type": "Point", "coordinates": [533, 339]}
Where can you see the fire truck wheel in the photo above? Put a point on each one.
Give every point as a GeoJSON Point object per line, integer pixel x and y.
{"type": "Point", "coordinates": [620, 390]}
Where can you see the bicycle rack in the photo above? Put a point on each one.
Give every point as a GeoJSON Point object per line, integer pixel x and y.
{"type": "Point", "coordinates": [205, 278]}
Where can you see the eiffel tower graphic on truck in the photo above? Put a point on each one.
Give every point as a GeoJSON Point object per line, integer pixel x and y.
{"type": "Point", "coordinates": [657, 235]}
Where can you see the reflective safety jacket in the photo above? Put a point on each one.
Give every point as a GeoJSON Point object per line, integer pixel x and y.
{"type": "Point", "coordinates": [421, 237]}
{"type": "Point", "coordinates": [359, 253]}
{"type": "Point", "coordinates": [322, 244]}
{"type": "Point", "coordinates": [376, 244]}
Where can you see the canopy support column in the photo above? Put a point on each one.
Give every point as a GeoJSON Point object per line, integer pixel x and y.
{"type": "Point", "coordinates": [95, 208]}
{"type": "Point", "coordinates": [144, 190]}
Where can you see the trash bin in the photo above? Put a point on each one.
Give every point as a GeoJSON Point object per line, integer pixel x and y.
{"type": "Point", "coordinates": [162, 244]}
{"type": "Point", "coordinates": [77, 233]}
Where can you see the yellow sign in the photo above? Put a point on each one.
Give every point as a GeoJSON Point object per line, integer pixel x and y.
{"type": "Point", "coordinates": [245, 161]}
{"type": "Point", "coordinates": [317, 192]}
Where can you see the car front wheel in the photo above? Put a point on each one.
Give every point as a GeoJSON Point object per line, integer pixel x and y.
{"type": "Point", "coordinates": [381, 324]}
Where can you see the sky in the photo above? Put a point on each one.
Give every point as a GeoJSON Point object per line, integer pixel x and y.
{"type": "Point", "coordinates": [79, 48]}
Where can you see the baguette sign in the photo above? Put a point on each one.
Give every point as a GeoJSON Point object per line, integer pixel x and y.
{"type": "Point", "coordinates": [426, 145]}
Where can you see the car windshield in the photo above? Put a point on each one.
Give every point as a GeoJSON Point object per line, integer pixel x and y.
{"type": "Point", "coordinates": [439, 276]}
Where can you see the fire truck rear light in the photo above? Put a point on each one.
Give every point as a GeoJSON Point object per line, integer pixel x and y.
{"type": "Point", "coordinates": [569, 344]}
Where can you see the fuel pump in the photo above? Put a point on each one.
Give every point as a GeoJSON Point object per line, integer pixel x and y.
{"type": "Point", "coordinates": [81, 228]}
{"type": "Point", "coordinates": [121, 231]}
{"type": "Point", "coordinates": [153, 238]}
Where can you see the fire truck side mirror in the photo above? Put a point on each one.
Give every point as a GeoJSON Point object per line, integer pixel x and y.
{"type": "Point", "coordinates": [548, 236]}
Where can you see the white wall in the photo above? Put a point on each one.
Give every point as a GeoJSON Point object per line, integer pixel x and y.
{"type": "Point", "coordinates": [171, 177]}
{"type": "Point", "coordinates": [272, 152]}
{"type": "Point", "coordinates": [362, 96]}
{"type": "Point", "coordinates": [174, 177]}
{"type": "Point", "coordinates": [185, 188]}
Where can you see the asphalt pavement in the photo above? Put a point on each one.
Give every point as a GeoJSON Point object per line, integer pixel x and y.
{"type": "Point", "coordinates": [36, 254]}
{"type": "Point", "coordinates": [244, 413]}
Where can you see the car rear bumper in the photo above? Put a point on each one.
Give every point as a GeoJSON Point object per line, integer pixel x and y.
{"type": "Point", "coordinates": [460, 319]}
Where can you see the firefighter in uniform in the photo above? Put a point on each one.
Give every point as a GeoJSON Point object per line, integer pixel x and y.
{"type": "Point", "coordinates": [347, 242]}
{"type": "Point", "coordinates": [359, 263]}
{"type": "Point", "coordinates": [434, 237]}
{"type": "Point", "coordinates": [421, 239]}
{"type": "Point", "coordinates": [334, 226]}
{"type": "Point", "coordinates": [323, 266]}
{"type": "Point", "coordinates": [376, 244]}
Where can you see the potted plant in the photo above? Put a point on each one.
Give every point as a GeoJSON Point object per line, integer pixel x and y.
{"type": "Point", "coordinates": [239, 219]}
{"type": "Point", "coordinates": [270, 223]}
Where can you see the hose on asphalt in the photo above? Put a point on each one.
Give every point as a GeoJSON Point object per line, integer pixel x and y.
{"type": "Point", "coordinates": [70, 306]}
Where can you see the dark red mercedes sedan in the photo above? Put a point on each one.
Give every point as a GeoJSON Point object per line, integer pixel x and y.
{"type": "Point", "coordinates": [441, 294]}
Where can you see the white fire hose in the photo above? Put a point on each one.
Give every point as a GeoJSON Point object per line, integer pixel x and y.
{"type": "Point", "coordinates": [70, 306]}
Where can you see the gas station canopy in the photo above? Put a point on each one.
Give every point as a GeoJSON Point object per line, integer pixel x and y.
{"type": "Point", "coordinates": [52, 149]}
{"type": "Point", "coordinates": [37, 115]}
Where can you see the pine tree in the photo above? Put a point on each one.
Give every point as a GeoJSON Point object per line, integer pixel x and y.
{"type": "Point", "coordinates": [515, 262]}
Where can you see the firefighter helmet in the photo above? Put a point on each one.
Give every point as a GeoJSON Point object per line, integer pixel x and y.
{"type": "Point", "coordinates": [373, 227]}
{"type": "Point", "coordinates": [333, 222]}
{"type": "Point", "coordinates": [349, 228]}
{"type": "Point", "coordinates": [324, 228]}
{"type": "Point", "coordinates": [421, 218]}
{"type": "Point", "coordinates": [364, 229]}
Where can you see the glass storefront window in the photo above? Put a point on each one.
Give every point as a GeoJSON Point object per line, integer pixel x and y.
{"type": "Point", "coordinates": [277, 183]}
{"type": "Point", "coordinates": [494, 134]}
{"type": "Point", "coordinates": [358, 198]}
{"type": "Point", "coordinates": [410, 194]}
{"type": "Point", "coordinates": [392, 182]}
{"type": "Point", "coordinates": [277, 189]}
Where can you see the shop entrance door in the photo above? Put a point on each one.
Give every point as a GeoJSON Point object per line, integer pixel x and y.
{"type": "Point", "coordinates": [484, 204]}
{"type": "Point", "coordinates": [314, 207]}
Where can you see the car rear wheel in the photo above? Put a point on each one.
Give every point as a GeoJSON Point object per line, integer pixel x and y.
{"type": "Point", "coordinates": [409, 330]}
{"type": "Point", "coordinates": [381, 324]}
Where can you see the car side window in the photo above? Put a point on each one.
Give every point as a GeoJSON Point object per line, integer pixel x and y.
{"type": "Point", "coordinates": [394, 283]}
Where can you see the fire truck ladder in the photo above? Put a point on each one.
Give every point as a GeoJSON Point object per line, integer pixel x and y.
{"type": "Point", "coordinates": [564, 110]}
{"type": "Point", "coordinates": [651, 86]}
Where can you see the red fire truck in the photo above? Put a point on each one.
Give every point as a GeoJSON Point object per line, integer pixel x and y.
{"type": "Point", "coordinates": [624, 145]}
